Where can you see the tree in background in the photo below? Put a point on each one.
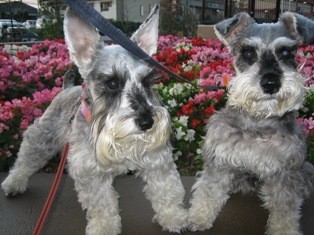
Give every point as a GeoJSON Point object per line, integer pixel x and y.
{"type": "Point", "coordinates": [176, 19]}
{"type": "Point", "coordinates": [170, 17]}
{"type": "Point", "coordinates": [50, 8]}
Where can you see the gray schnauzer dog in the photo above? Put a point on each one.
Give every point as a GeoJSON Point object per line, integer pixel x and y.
{"type": "Point", "coordinates": [255, 143]}
{"type": "Point", "coordinates": [119, 126]}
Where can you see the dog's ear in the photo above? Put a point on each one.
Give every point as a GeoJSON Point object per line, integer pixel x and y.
{"type": "Point", "coordinates": [231, 29]}
{"type": "Point", "coordinates": [146, 37]}
{"type": "Point", "coordinates": [301, 28]}
{"type": "Point", "coordinates": [82, 40]}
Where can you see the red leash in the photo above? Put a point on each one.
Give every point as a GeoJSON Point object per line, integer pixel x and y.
{"type": "Point", "coordinates": [51, 196]}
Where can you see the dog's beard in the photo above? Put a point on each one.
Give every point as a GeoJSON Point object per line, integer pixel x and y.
{"type": "Point", "coordinates": [246, 93]}
{"type": "Point", "coordinates": [121, 139]}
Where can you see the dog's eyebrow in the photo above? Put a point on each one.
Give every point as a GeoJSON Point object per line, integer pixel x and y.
{"type": "Point", "coordinates": [283, 41]}
{"type": "Point", "coordinates": [252, 42]}
{"type": "Point", "coordinates": [153, 74]}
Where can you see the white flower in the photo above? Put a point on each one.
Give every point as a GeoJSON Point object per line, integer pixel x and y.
{"type": "Point", "coordinates": [172, 103]}
{"type": "Point", "coordinates": [199, 151]}
{"type": "Point", "coordinates": [190, 135]}
{"type": "Point", "coordinates": [179, 133]}
{"type": "Point", "coordinates": [24, 48]}
{"type": "Point", "coordinates": [158, 86]}
{"type": "Point", "coordinates": [177, 89]}
{"type": "Point", "coordinates": [190, 65]}
{"type": "Point", "coordinates": [184, 45]}
{"type": "Point", "coordinates": [187, 67]}
{"type": "Point", "coordinates": [183, 120]}
{"type": "Point", "coordinates": [165, 91]}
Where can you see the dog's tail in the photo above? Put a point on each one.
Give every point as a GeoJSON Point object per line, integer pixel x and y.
{"type": "Point", "coordinates": [68, 80]}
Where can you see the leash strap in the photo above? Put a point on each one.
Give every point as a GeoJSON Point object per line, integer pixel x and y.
{"type": "Point", "coordinates": [89, 14]}
{"type": "Point", "coordinates": [53, 190]}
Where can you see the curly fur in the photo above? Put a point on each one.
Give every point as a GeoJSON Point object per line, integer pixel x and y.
{"type": "Point", "coordinates": [255, 143]}
{"type": "Point", "coordinates": [129, 130]}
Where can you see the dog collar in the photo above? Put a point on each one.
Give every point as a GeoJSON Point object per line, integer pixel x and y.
{"type": "Point", "coordinates": [85, 109]}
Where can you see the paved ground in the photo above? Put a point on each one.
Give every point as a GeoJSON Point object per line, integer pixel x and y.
{"type": "Point", "coordinates": [242, 214]}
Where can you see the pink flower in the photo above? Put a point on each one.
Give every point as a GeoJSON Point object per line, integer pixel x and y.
{"type": "Point", "coordinates": [307, 123]}
{"type": "Point", "coordinates": [37, 112]}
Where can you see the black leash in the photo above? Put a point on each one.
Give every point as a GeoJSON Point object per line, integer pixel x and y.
{"type": "Point", "coordinates": [89, 14]}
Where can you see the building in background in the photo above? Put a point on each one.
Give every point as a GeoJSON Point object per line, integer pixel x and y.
{"type": "Point", "coordinates": [206, 11]}
{"type": "Point", "coordinates": [269, 10]}
{"type": "Point", "coordinates": [202, 11]}
{"type": "Point", "coordinates": [212, 11]}
{"type": "Point", "coordinates": [17, 10]}
{"type": "Point", "coordinates": [124, 10]}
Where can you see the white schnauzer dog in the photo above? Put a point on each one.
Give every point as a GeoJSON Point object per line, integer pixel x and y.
{"type": "Point", "coordinates": [119, 126]}
{"type": "Point", "coordinates": [255, 143]}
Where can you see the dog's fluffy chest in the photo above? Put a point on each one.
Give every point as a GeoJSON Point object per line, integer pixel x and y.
{"type": "Point", "coordinates": [260, 146]}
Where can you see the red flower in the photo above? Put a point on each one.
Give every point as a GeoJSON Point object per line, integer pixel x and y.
{"type": "Point", "coordinates": [20, 55]}
{"type": "Point", "coordinates": [5, 54]}
{"type": "Point", "coordinates": [188, 108]}
{"type": "Point", "coordinates": [199, 41]}
{"type": "Point", "coordinates": [209, 110]}
{"type": "Point", "coordinates": [195, 123]}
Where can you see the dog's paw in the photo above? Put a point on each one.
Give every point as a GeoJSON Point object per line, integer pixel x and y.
{"type": "Point", "coordinates": [13, 185]}
{"type": "Point", "coordinates": [283, 232]}
{"type": "Point", "coordinates": [174, 220]}
{"type": "Point", "coordinates": [198, 222]}
{"type": "Point", "coordinates": [101, 226]}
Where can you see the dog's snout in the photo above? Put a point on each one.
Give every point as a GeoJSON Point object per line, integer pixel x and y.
{"type": "Point", "coordinates": [270, 83]}
{"type": "Point", "coordinates": [145, 122]}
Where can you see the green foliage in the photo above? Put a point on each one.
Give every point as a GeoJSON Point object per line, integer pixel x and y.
{"type": "Point", "coordinates": [50, 31]}
{"type": "Point", "coordinates": [309, 101]}
{"type": "Point", "coordinates": [53, 30]}
{"type": "Point", "coordinates": [51, 9]}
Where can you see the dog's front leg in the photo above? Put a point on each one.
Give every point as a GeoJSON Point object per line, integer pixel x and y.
{"type": "Point", "coordinates": [165, 191]}
{"type": "Point", "coordinates": [282, 196]}
{"type": "Point", "coordinates": [95, 193]}
{"type": "Point", "coordinates": [211, 192]}
{"type": "Point", "coordinates": [98, 197]}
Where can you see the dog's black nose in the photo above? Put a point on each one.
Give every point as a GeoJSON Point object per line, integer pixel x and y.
{"type": "Point", "coordinates": [270, 83]}
{"type": "Point", "coordinates": [145, 122]}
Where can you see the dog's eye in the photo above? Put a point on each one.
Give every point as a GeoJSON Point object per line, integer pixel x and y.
{"type": "Point", "coordinates": [248, 54]}
{"type": "Point", "coordinates": [150, 79]}
{"type": "Point", "coordinates": [286, 53]}
{"type": "Point", "coordinates": [112, 84]}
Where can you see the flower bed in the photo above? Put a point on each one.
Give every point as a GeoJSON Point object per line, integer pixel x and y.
{"type": "Point", "coordinates": [31, 77]}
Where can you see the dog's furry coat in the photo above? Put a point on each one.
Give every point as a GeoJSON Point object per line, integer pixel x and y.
{"type": "Point", "coordinates": [255, 143]}
{"type": "Point", "coordinates": [129, 130]}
